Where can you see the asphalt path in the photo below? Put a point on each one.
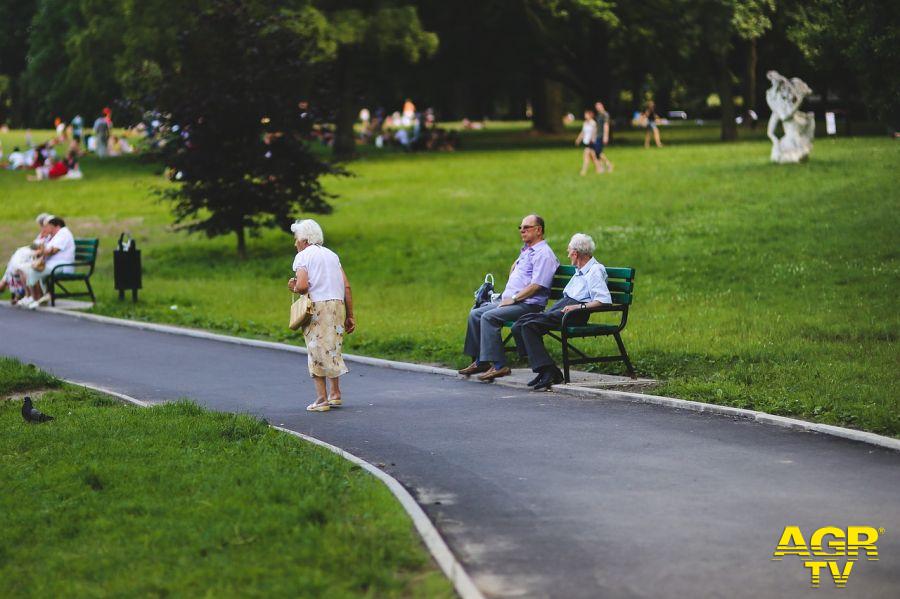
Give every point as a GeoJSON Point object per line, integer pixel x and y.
{"type": "Point", "coordinates": [537, 494]}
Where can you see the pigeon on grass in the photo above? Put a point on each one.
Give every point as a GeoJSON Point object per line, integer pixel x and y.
{"type": "Point", "coordinates": [32, 414]}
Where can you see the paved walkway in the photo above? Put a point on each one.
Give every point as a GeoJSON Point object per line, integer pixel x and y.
{"type": "Point", "coordinates": [538, 494]}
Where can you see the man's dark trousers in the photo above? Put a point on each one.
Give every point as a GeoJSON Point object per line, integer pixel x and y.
{"type": "Point", "coordinates": [530, 329]}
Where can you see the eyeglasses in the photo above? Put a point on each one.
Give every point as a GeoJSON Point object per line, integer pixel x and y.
{"type": "Point", "coordinates": [526, 227]}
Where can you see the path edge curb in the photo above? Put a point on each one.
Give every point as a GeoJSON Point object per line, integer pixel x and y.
{"type": "Point", "coordinates": [572, 390]}
{"type": "Point", "coordinates": [429, 534]}
{"type": "Point", "coordinates": [761, 417]}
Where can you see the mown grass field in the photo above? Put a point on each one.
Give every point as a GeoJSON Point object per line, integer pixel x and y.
{"type": "Point", "coordinates": [114, 500]}
{"type": "Point", "coordinates": [759, 286]}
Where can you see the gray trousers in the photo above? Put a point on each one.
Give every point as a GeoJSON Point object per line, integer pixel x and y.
{"type": "Point", "coordinates": [529, 332]}
{"type": "Point", "coordinates": [483, 341]}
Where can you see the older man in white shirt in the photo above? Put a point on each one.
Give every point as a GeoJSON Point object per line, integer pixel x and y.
{"type": "Point", "coordinates": [586, 289]}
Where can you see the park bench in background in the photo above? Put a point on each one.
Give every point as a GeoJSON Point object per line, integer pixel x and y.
{"type": "Point", "coordinates": [621, 287]}
{"type": "Point", "coordinates": [85, 257]}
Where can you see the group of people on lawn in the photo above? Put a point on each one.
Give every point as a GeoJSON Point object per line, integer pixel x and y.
{"type": "Point", "coordinates": [31, 265]}
{"type": "Point", "coordinates": [523, 301]}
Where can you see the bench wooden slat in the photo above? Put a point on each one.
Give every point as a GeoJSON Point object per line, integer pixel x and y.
{"type": "Point", "coordinates": [614, 272]}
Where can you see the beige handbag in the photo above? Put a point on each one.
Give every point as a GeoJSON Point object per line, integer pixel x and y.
{"type": "Point", "coordinates": [301, 312]}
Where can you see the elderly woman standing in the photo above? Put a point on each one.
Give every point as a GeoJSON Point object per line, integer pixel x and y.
{"type": "Point", "coordinates": [318, 272]}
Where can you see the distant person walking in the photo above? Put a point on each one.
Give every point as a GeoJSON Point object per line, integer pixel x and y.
{"type": "Point", "coordinates": [318, 272]}
{"type": "Point", "coordinates": [651, 123]}
{"type": "Point", "coordinates": [101, 134]}
{"type": "Point", "coordinates": [77, 128]}
{"type": "Point", "coordinates": [602, 118]}
{"type": "Point", "coordinates": [588, 138]}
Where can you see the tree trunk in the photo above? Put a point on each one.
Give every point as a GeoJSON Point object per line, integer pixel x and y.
{"type": "Point", "coordinates": [750, 97]}
{"type": "Point", "coordinates": [726, 96]}
{"type": "Point", "coordinates": [344, 138]}
{"type": "Point", "coordinates": [241, 241]}
{"type": "Point", "coordinates": [547, 106]}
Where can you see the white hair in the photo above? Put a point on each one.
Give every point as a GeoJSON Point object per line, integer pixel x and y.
{"type": "Point", "coordinates": [42, 218]}
{"type": "Point", "coordinates": [309, 231]}
{"type": "Point", "coordinates": [582, 244]}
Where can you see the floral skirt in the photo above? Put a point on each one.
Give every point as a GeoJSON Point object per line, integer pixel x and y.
{"type": "Point", "coordinates": [325, 339]}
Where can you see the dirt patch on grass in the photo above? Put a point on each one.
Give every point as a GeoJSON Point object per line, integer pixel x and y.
{"type": "Point", "coordinates": [93, 227]}
{"type": "Point", "coordinates": [34, 394]}
{"type": "Point", "coordinates": [16, 235]}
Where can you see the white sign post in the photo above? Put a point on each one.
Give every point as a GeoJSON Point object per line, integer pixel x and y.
{"type": "Point", "coordinates": [830, 126]}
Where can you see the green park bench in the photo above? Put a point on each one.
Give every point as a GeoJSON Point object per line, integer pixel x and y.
{"type": "Point", "coordinates": [621, 287]}
{"type": "Point", "coordinates": [85, 257]}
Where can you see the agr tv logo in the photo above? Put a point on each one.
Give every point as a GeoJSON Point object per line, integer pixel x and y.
{"type": "Point", "coordinates": [826, 546]}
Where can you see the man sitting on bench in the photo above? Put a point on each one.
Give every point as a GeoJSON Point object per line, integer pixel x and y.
{"type": "Point", "coordinates": [526, 292]}
{"type": "Point", "coordinates": [586, 289]}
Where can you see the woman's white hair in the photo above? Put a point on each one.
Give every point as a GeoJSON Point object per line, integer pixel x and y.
{"type": "Point", "coordinates": [42, 218]}
{"type": "Point", "coordinates": [309, 231]}
{"type": "Point", "coordinates": [583, 244]}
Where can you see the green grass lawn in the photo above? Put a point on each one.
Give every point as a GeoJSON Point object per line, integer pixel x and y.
{"type": "Point", "coordinates": [759, 286]}
{"type": "Point", "coordinates": [114, 500]}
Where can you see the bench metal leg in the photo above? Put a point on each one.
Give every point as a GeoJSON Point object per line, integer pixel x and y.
{"type": "Point", "coordinates": [565, 352]}
{"type": "Point", "coordinates": [90, 290]}
{"type": "Point", "coordinates": [628, 366]}
{"type": "Point", "coordinates": [51, 291]}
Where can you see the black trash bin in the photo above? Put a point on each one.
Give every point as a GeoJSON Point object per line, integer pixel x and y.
{"type": "Point", "coordinates": [127, 267]}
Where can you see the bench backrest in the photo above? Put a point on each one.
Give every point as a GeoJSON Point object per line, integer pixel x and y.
{"type": "Point", "coordinates": [620, 281]}
{"type": "Point", "coordinates": [86, 250]}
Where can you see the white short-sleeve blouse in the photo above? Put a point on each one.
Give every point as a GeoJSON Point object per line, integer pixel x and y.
{"type": "Point", "coordinates": [326, 281]}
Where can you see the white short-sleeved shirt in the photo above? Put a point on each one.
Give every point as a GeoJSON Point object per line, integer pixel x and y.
{"type": "Point", "coordinates": [588, 284]}
{"type": "Point", "coordinates": [326, 281]}
{"type": "Point", "coordinates": [64, 241]}
{"type": "Point", "coordinates": [588, 132]}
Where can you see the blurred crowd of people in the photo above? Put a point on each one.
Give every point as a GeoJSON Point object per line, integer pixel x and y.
{"type": "Point", "coordinates": [58, 157]}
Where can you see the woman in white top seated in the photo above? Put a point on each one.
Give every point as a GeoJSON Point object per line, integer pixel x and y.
{"type": "Point", "coordinates": [19, 265]}
{"type": "Point", "coordinates": [318, 272]}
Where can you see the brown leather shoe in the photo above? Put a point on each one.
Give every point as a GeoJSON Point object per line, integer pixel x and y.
{"type": "Point", "coordinates": [493, 373]}
{"type": "Point", "coordinates": [474, 368]}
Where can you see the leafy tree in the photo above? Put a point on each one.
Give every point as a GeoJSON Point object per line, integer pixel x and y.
{"type": "Point", "coordinates": [15, 18]}
{"type": "Point", "coordinates": [859, 37]}
{"type": "Point", "coordinates": [229, 103]}
{"type": "Point", "coordinates": [365, 37]}
{"type": "Point", "coordinates": [71, 45]}
{"type": "Point", "coordinates": [751, 21]}
{"type": "Point", "coordinates": [569, 37]}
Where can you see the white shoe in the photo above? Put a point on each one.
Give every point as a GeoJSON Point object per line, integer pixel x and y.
{"type": "Point", "coordinates": [44, 299]}
{"type": "Point", "coordinates": [25, 302]}
{"type": "Point", "coordinates": [33, 305]}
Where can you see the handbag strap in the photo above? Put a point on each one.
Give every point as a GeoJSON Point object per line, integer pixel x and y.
{"type": "Point", "coordinates": [489, 276]}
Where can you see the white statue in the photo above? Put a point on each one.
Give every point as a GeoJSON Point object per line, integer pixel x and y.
{"type": "Point", "coordinates": [784, 98]}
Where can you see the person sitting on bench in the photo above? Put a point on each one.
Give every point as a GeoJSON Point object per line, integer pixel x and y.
{"type": "Point", "coordinates": [526, 292]}
{"type": "Point", "coordinates": [59, 250]}
{"type": "Point", "coordinates": [586, 289]}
